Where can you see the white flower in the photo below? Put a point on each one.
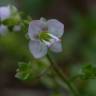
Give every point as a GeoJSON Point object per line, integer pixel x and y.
{"type": "Point", "coordinates": [6, 12]}
{"type": "Point", "coordinates": [3, 30]}
{"type": "Point", "coordinates": [43, 35]}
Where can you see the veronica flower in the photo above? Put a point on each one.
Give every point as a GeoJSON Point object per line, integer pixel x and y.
{"type": "Point", "coordinates": [7, 11]}
{"type": "Point", "coordinates": [43, 35]}
{"type": "Point", "coordinates": [3, 30]}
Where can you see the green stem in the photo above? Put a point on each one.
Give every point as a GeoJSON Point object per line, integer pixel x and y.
{"type": "Point", "coordinates": [62, 76]}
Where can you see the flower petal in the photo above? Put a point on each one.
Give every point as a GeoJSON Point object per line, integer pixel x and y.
{"type": "Point", "coordinates": [37, 48]}
{"type": "Point", "coordinates": [35, 27]}
{"type": "Point", "coordinates": [55, 27]}
{"type": "Point", "coordinates": [5, 12]}
{"type": "Point", "coordinates": [17, 28]}
{"type": "Point", "coordinates": [56, 47]}
{"type": "Point", "coordinates": [3, 30]}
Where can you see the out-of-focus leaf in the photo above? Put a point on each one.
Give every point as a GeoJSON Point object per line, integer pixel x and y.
{"type": "Point", "coordinates": [88, 71]}
{"type": "Point", "coordinates": [51, 80]}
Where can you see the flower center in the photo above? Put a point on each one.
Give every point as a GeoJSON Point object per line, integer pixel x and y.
{"type": "Point", "coordinates": [48, 38]}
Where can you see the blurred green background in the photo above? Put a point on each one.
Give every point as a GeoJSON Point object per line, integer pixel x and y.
{"type": "Point", "coordinates": [79, 45]}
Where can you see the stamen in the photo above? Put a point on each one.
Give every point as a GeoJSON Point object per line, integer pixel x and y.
{"type": "Point", "coordinates": [54, 37]}
{"type": "Point", "coordinates": [47, 43]}
{"type": "Point", "coordinates": [48, 38]}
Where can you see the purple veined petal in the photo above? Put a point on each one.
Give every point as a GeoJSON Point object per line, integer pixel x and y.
{"type": "Point", "coordinates": [37, 48]}
{"type": "Point", "coordinates": [55, 27]}
{"type": "Point", "coordinates": [35, 27]}
{"type": "Point", "coordinates": [56, 47]}
{"type": "Point", "coordinates": [5, 12]}
{"type": "Point", "coordinates": [3, 30]}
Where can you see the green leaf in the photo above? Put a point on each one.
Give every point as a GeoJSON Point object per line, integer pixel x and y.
{"type": "Point", "coordinates": [31, 70]}
{"type": "Point", "coordinates": [88, 71]}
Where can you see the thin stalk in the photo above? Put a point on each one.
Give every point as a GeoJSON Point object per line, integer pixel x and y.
{"type": "Point", "coordinates": [62, 76]}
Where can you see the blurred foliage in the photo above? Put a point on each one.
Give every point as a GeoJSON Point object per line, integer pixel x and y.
{"type": "Point", "coordinates": [6, 2]}
{"type": "Point", "coordinates": [34, 7]}
{"type": "Point", "coordinates": [79, 45]}
{"type": "Point", "coordinates": [86, 72]}
{"type": "Point", "coordinates": [30, 70]}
